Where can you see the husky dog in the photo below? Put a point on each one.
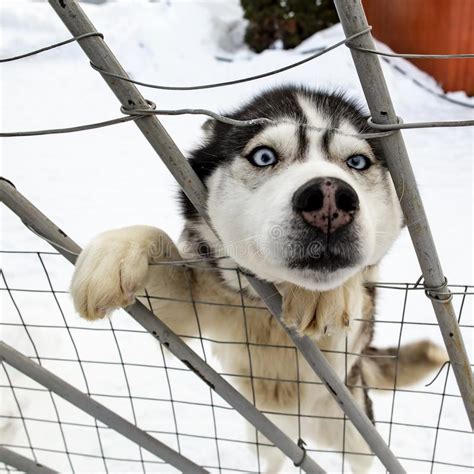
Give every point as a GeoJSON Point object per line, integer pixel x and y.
{"type": "Point", "coordinates": [304, 202]}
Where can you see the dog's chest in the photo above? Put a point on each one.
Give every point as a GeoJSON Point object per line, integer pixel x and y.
{"type": "Point", "coordinates": [253, 346]}
{"type": "Point", "coordinates": [262, 352]}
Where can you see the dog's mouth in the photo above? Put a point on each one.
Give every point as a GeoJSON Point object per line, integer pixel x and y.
{"type": "Point", "coordinates": [309, 249]}
{"type": "Point", "coordinates": [327, 262]}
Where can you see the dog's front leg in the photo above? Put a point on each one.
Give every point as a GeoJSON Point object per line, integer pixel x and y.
{"type": "Point", "coordinates": [117, 264]}
{"type": "Point", "coordinates": [322, 313]}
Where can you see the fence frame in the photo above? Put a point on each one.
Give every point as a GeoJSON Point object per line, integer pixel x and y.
{"type": "Point", "coordinates": [368, 67]}
{"type": "Point", "coordinates": [101, 56]}
{"type": "Point", "coordinates": [36, 221]}
{"type": "Point", "coordinates": [369, 70]}
{"type": "Point", "coordinates": [100, 412]}
{"type": "Point", "coordinates": [22, 463]}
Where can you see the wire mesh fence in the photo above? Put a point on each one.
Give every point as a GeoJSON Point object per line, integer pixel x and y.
{"type": "Point", "coordinates": [118, 363]}
{"type": "Point", "coordinates": [153, 389]}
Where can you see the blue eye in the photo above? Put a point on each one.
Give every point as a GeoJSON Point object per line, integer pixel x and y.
{"type": "Point", "coordinates": [262, 156]}
{"type": "Point", "coordinates": [358, 162]}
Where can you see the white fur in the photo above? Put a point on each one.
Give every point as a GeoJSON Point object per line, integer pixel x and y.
{"type": "Point", "coordinates": [247, 207]}
{"type": "Point", "coordinates": [114, 267]}
{"type": "Point", "coordinates": [246, 218]}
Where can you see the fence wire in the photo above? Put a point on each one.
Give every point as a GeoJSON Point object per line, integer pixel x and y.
{"type": "Point", "coordinates": [132, 115]}
{"type": "Point", "coordinates": [38, 318]}
{"type": "Point", "coordinates": [151, 388]}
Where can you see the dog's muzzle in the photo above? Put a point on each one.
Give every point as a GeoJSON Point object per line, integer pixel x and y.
{"type": "Point", "coordinates": [327, 204]}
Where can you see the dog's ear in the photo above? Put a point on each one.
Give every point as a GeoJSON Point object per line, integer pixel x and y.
{"type": "Point", "coordinates": [209, 127]}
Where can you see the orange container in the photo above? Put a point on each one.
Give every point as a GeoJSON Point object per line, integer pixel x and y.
{"type": "Point", "coordinates": [429, 27]}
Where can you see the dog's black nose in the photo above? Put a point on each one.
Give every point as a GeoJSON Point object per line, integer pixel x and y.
{"type": "Point", "coordinates": [326, 203]}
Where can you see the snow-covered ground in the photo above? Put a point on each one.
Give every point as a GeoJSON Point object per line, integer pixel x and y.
{"type": "Point", "coordinates": [91, 181]}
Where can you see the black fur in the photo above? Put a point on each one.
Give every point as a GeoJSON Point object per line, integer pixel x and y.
{"type": "Point", "coordinates": [302, 140]}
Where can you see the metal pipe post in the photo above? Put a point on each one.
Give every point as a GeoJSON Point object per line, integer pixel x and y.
{"type": "Point", "coordinates": [22, 463]}
{"type": "Point", "coordinates": [77, 22]}
{"type": "Point", "coordinates": [352, 16]}
{"type": "Point", "coordinates": [71, 394]}
{"type": "Point", "coordinates": [341, 394]}
{"type": "Point", "coordinates": [33, 218]}
{"type": "Point", "coordinates": [72, 15]}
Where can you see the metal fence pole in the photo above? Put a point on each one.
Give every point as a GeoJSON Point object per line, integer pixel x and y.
{"type": "Point", "coordinates": [35, 220]}
{"type": "Point", "coordinates": [65, 390]}
{"type": "Point", "coordinates": [22, 463]}
{"type": "Point", "coordinates": [338, 390]}
{"type": "Point", "coordinates": [352, 16]}
{"type": "Point", "coordinates": [72, 15]}
{"type": "Point", "coordinates": [77, 22]}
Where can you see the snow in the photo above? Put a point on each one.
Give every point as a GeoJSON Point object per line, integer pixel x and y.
{"type": "Point", "coordinates": [92, 181]}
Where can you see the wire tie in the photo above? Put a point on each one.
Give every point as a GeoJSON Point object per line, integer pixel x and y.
{"type": "Point", "coordinates": [388, 127]}
{"type": "Point", "coordinates": [131, 111]}
{"type": "Point", "coordinates": [301, 444]}
{"type": "Point", "coordinates": [88, 35]}
{"type": "Point", "coordinates": [349, 43]}
{"type": "Point", "coordinates": [435, 293]}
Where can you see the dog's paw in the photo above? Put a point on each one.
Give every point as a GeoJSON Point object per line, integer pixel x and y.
{"type": "Point", "coordinates": [321, 313]}
{"type": "Point", "coordinates": [312, 313]}
{"type": "Point", "coordinates": [114, 266]}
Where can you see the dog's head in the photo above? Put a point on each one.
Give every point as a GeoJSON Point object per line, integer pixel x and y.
{"type": "Point", "coordinates": [296, 200]}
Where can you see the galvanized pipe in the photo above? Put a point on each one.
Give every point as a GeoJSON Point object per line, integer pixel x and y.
{"type": "Point", "coordinates": [352, 16]}
{"type": "Point", "coordinates": [34, 219]}
{"type": "Point", "coordinates": [96, 49]}
{"type": "Point", "coordinates": [71, 394]}
{"type": "Point", "coordinates": [336, 388]}
{"type": "Point", "coordinates": [22, 463]}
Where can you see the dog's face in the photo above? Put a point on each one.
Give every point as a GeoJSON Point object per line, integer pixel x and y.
{"type": "Point", "coordinates": [291, 202]}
